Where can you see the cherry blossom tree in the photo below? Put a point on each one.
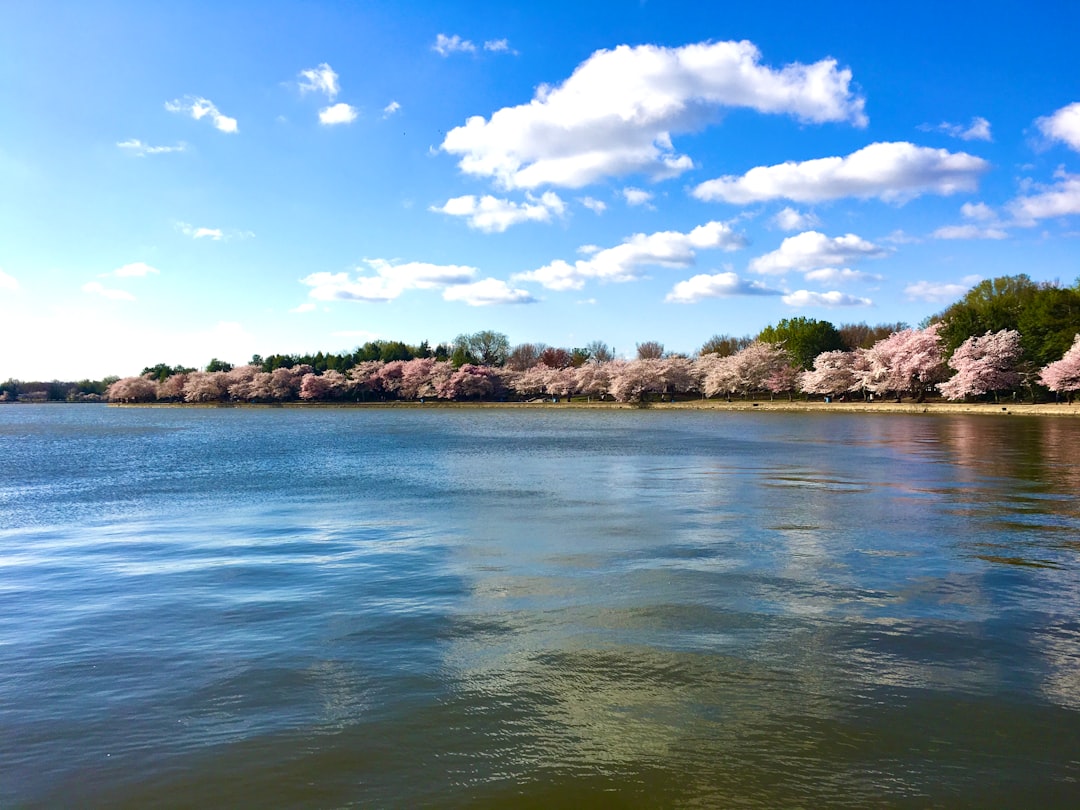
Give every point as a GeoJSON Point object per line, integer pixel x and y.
{"type": "Point", "coordinates": [1063, 376]}
{"type": "Point", "coordinates": [171, 389]}
{"type": "Point", "coordinates": [562, 382]}
{"type": "Point", "coordinates": [328, 385]}
{"type": "Point", "coordinates": [363, 378]}
{"type": "Point", "coordinates": [832, 374]}
{"type": "Point", "coordinates": [206, 386]}
{"type": "Point", "coordinates": [635, 380]}
{"type": "Point", "coordinates": [132, 389]}
{"type": "Point", "coordinates": [416, 378]}
{"type": "Point", "coordinates": [984, 364]}
{"type": "Point", "coordinates": [748, 370]}
{"type": "Point", "coordinates": [534, 381]}
{"type": "Point", "coordinates": [594, 379]}
{"type": "Point", "coordinates": [469, 382]}
{"type": "Point", "coordinates": [907, 362]}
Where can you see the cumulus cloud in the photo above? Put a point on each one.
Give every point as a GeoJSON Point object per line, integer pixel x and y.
{"type": "Point", "coordinates": [8, 282]}
{"type": "Point", "coordinates": [628, 261]}
{"type": "Point", "coordinates": [97, 288]}
{"type": "Point", "coordinates": [968, 232]}
{"type": "Point", "coordinates": [444, 45]}
{"type": "Point", "coordinates": [894, 172]}
{"type": "Point", "coordinates": [390, 109]}
{"type": "Point", "coordinates": [812, 250]}
{"type": "Point", "coordinates": [487, 292]}
{"type": "Point", "coordinates": [1057, 200]}
{"type": "Point", "coordinates": [389, 281]}
{"type": "Point", "coordinates": [199, 108]}
{"type": "Point", "coordinates": [322, 79]}
{"type": "Point", "coordinates": [977, 130]}
{"type": "Point", "coordinates": [717, 285]}
{"type": "Point", "coordinates": [636, 196]}
{"type": "Point", "coordinates": [594, 205]}
{"type": "Point", "coordinates": [340, 113]}
{"type": "Point", "coordinates": [494, 215]}
{"type": "Point", "coordinates": [498, 46]}
{"type": "Point", "coordinates": [140, 149]}
{"type": "Point", "coordinates": [616, 113]}
{"type": "Point", "coordinates": [936, 291]}
{"type": "Point", "coordinates": [791, 220]}
{"type": "Point", "coordinates": [1063, 125]}
{"type": "Point", "coordinates": [839, 275]}
{"type": "Point", "coordinates": [807, 298]}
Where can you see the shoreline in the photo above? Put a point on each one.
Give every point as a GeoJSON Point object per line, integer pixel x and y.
{"type": "Point", "coordinates": [772, 406]}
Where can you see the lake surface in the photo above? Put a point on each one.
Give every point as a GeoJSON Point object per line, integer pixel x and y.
{"type": "Point", "coordinates": [539, 608]}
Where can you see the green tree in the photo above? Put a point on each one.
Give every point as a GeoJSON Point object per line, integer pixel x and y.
{"type": "Point", "coordinates": [803, 338]}
{"type": "Point", "coordinates": [486, 348]}
{"type": "Point", "coordinates": [218, 365]}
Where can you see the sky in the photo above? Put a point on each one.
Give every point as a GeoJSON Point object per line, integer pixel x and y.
{"type": "Point", "coordinates": [193, 180]}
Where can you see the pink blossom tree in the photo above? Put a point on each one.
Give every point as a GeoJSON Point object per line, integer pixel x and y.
{"type": "Point", "coordinates": [171, 389]}
{"type": "Point", "coordinates": [364, 378]}
{"type": "Point", "coordinates": [635, 380]}
{"type": "Point", "coordinates": [984, 364]}
{"type": "Point", "coordinates": [1063, 376]}
{"type": "Point", "coordinates": [594, 379]}
{"type": "Point", "coordinates": [132, 389]}
{"type": "Point", "coordinates": [206, 386]}
{"type": "Point", "coordinates": [328, 385]}
{"type": "Point", "coordinates": [907, 362]}
{"type": "Point", "coordinates": [416, 382]}
{"type": "Point", "coordinates": [832, 374]}
{"type": "Point", "coordinates": [468, 382]}
{"type": "Point", "coordinates": [750, 369]}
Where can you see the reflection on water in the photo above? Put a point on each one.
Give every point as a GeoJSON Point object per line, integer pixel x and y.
{"type": "Point", "coordinates": [502, 608]}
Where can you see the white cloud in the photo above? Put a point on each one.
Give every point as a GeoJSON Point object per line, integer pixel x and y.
{"type": "Point", "coordinates": [806, 298]}
{"type": "Point", "coordinates": [627, 262]}
{"type": "Point", "coordinates": [140, 149]}
{"type": "Point", "coordinates": [390, 109]}
{"type": "Point", "coordinates": [839, 275]}
{"type": "Point", "coordinates": [322, 79]}
{"type": "Point", "coordinates": [812, 250]}
{"type": "Point", "coordinates": [199, 108]}
{"type": "Point", "coordinates": [594, 205]}
{"type": "Point", "coordinates": [213, 234]}
{"type": "Point", "coordinates": [894, 172]}
{"type": "Point", "coordinates": [977, 130]}
{"type": "Point", "coordinates": [307, 306]}
{"type": "Point", "coordinates": [791, 220]}
{"type": "Point", "coordinates": [935, 291]}
{"type": "Point", "coordinates": [444, 45]}
{"type": "Point", "coordinates": [636, 196]}
{"type": "Point", "coordinates": [487, 292]}
{"type": "Point", "coordinates": [615, 115]}
{"type": "Point", "coordinates": [1063, 125]}
{"type": "Point", "coordinates": [134, 270]}
{"type": "Point", "coordinates": [717, 285]}
{"type": "Point", "coordinates": [1060, 199]}
{"type": "Point", "coordinates": [8, 282]}
{"type": "Point", "coordinates": [968, 232]}
{"type": "Point", "coordinates": [340, 113]}
{"type": "Point", "coordinates": [980, 212]}
{"type": "Point", "coordinates": [97, 288]}
{"type": "Point", "coordinates": [493, 215]}
{"type": "Point", "coordinates": [389, 282]}
{"type": "Point", "coordinates": [899, 237]}
{"type": "Point", "coordinates": [498, 46]}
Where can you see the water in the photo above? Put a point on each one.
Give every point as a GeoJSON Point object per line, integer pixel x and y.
{"type": "Point", "coordinates": [506, 608]}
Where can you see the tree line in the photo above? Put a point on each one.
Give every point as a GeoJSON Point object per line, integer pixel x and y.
{"type": "Point", "coordinates": [1008, 334]}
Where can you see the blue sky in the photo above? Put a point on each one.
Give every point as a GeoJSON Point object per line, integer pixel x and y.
{"type": "Point", "coordinates": [187, 180]}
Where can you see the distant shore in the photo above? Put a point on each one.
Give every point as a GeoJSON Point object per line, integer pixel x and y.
{"type": "Point", "coordinates": [1004, 408]}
